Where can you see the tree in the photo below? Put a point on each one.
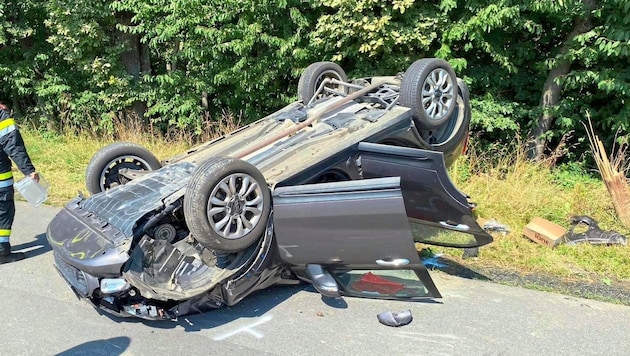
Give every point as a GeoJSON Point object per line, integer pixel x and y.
{"type": "Point", "coordinates": [371, 37]}
{"type": "Point", "coordinates": [532, 66]}
{"type": "Point", "coordinates": [599, 80]}
{"type": "Point", "coordinates": [213, 55]}
{"type": "Point", "coordinates": [568, 48]}
{"type": "Point", "coordinates": [23, 50]}
{"type": "Point", "coordinates": [89, 86]}
{"type": "Point", "coordinates": [559, 67]}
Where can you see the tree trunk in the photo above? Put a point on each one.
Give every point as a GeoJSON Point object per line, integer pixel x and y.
{"type": "Point", "coordinates": [551, 90]}
{"type": "Point", "coordinates": [135, 59]}
{"type": "Point", "coordinates": [171, 65]}
{"type": "Point", "coordinates": [145, 59]}
{"type": "Point", "coordinates": [550, 98]}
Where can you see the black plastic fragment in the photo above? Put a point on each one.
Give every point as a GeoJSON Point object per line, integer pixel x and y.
{"type": "Point", "coordinates": [593, 235]}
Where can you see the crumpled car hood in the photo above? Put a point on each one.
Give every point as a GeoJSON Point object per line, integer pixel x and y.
{"type": "Point", "coordinates": [95, 234]}
{"type": "Point", "coordinates": [123, 206]}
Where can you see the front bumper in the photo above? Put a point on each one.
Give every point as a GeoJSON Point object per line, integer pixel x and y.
{"type": "Point", "coordinates": [82, 240]}
{"type": "Point", "coordinates": [88, 250]}
{"type": "Point", "coordinates": [123, 304]}
{"type": "Point", "coordinates": [82, 284]}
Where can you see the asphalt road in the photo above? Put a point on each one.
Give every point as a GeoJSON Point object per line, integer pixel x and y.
{"type": "Point", "coordinates": [39, 315]}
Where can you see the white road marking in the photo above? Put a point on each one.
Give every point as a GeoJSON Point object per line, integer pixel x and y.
{"type": "Point", "coordinates": [246, 329]}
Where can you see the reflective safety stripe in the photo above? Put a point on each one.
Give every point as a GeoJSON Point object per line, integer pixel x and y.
{"type": "Point", "coordinates": [6, 183]}
{"type": "Point", "coordinates": [6, 123]}
{"type": "Point", "coordinates": [7, 126]}
{"type": "Point", "coordinates": [6, 179]}
{"type": "Point", "coordinates": [4, 239]}
{"type": "Point", "coordinates": [5, 232]}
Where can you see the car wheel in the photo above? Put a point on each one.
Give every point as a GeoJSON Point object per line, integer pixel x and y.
{"type": "Point", "coordinates": [313, 77]}
{"type": "Point", "coordinates": [102, 170]}
{"type": "Point", "coordinates": [429, 89]}
{"type": "Point", "coordinates": [227, 204]}
{"type": "Point", "coordinates": [451, 135]}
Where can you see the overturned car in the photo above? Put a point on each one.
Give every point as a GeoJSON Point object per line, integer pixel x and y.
{"type": "Point", "coordinates": [333, 190]}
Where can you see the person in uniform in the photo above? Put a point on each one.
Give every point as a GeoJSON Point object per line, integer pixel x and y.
{"type": "Point", "coordinates": [13, 148]}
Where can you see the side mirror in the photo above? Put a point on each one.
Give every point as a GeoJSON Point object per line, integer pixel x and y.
{"type": "Point", "coordinates": [323, 282]}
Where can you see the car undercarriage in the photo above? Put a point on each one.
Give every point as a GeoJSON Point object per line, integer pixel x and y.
{"type": "Point", "coordinates": [334, 190]}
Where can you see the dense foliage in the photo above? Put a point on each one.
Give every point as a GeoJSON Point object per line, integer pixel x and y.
{"type": "Point", "coordinates": [535, 67]}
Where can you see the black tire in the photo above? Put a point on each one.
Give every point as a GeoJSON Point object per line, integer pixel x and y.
{"type": "Point", "coordinates": [313, 76]}
{"type": "Point", "coordinates": [102, 170]}
{"type": "Point", "coordinates": [429, 89]}
{"type": "Point", "coordinates": [463, 90]}
{"type": "Point", "coordinates": [214, 214]}
{"type": "Point", "coordinates": [451, 135]}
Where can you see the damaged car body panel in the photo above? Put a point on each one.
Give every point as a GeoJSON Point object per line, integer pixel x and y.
{"type": "Point", "coordinates": [368, 213]}
{"type": "Point", "coordinates": [431, 199]}
{"type": "Point", "coordinates": [334, 190]}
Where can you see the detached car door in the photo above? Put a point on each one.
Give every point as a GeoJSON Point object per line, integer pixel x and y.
{"type": "Point", "coordinates": [439, 214]}
{"type": "Point", "coordinates": [351, 238]}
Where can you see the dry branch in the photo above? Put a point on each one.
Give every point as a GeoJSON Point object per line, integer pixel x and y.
{"type": "Point", "coordinates": [613, 173]}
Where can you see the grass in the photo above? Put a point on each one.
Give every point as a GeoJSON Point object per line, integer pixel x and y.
{"type": "Point", "coordinates": [511, 190]}
{"type": "Point", "coordinates": [62, 159]}
{"type": "Point", "coordinates": [505, 186]}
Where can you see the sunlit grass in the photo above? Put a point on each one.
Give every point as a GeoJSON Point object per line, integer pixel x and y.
{"type": "Point", "coordinates": [62, 158]}
{"type": "Point", "coordinates": [512, 190]}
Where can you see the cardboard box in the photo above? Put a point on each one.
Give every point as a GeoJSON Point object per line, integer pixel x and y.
{"type": "Point", "coordinates": [544, 232]}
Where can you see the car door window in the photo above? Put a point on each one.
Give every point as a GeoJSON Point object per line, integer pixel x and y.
{"type": "Point", "coordinates": [384, 284]}
{"type": "Point", "coordinates": [440, 236]}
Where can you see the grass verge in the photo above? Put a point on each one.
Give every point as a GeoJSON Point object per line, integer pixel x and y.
{"type": "Point", "coordinates": [512, 190]}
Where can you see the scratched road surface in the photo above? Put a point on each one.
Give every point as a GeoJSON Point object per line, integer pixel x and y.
{"type": "Point", "coordinates": [40, 316]}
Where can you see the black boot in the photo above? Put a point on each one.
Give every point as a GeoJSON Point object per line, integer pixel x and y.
{"type": "Point", "coordinates": [7, 256]}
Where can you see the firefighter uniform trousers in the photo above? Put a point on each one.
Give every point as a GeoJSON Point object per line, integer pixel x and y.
{"type": "Point", "coordinates": [7, 213]}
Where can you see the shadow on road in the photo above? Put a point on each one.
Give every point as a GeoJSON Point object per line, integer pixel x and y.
{"type": "Point", "coordinates": [432, 261]}
{"type": "Point", "coordinates": [34, 248]}
{"type": "Point", "coordinates": [337, 303]}
{"type": "Point", "coordinates": [113, 346]}
{"type": "Point", "coordinates": [253, 306]}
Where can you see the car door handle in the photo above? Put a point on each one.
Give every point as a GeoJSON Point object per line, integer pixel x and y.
{"type": "Point", "coordinates": [462, 227]}
{"type": "Point", "coordinates": [393, 263]}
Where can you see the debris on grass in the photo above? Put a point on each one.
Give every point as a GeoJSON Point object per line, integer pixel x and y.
{"type": "Point", "coordinates": [492, 225]}
{"type": "Point", "coordinates": [544, 232]}
{"type": "Point", "coordinates": [588, 231]}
